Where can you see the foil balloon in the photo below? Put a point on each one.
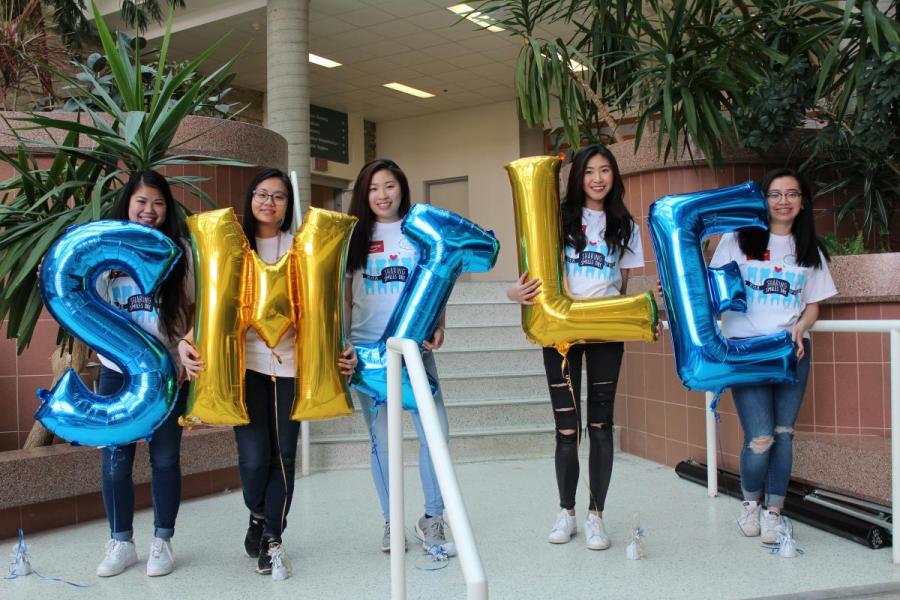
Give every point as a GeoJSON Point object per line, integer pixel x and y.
{"type": "Point", "coordinates": [447, 246]}
{"type": "Point", "coordinates": [556, 319]}
{"type": "Point", "coordinates": [726, 288]}
{"type": "Point", "coordinates": [68, 281]}
{"type": "Point", "coordinates": [704, 359]}
{"type": "Point", "coordinates": [236, 290]}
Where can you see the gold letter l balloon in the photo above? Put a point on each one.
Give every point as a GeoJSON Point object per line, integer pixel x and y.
{"type": "Point", "coordinates": [555, 319]}
{"type": "Point", "coordinates": [236, 290]}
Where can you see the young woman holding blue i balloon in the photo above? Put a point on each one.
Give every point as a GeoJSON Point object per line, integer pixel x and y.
{"type": "Point", "coordinates": [167, 315]}
{"type": "Point", "coordinates": [379, 261]}
{"type": "Point", "coordinates": [785, 270]}
{"type": "Point", "coordinates": [602, 242]}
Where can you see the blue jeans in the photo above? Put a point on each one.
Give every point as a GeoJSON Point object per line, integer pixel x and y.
{"type": "Point", "coordinates": [768, 413]}
{"type": "Point", "coordinates": [116, 466]}
{"type": "Point", "coordinates": [267, 449]}
{"type": "Point", "coordinates": [376, 420]}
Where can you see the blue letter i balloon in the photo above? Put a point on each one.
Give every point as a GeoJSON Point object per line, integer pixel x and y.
{"type": "Point", "coordinates": [695, 296]}
{"type": "Point", "coordinates": [68, 285]}
{"type": "Point", "coordinates": [447, 246]}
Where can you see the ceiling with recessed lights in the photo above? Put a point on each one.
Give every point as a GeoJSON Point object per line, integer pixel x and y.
{"type": "Point", "coordinates": [417, 43]}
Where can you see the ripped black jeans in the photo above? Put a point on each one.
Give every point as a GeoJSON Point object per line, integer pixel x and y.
{"type": "Point", "coordinates": [603, 362]}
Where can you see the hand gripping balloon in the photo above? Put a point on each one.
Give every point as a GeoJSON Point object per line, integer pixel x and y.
{"type": "Point", "coordinates": [555, 319]}
{"type": "Point", "coordinates": [696, 295]}
{"type": "Point", "coordinates": [68, 285]}
{"type": "Point", "coordinates": [236, 290]}
{"type": "Point", "coordinates": [447, 245]}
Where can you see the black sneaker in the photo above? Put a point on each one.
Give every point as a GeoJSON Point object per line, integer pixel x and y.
{"type": "Point", "coordinates": [254, 536]}
{"type": "Point", "coordinates": [264, 562]}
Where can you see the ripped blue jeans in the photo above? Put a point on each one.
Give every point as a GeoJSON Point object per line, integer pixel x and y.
{"type": "Point", "coordinates": [377, 424]}
{"type": "Point", "coordinates": [767, 413]}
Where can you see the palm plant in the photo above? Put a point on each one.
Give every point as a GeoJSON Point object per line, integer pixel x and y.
{"type": "Point", "coordinates": [710, 74]}
{"type": "Point", "coordinates": [82, 181]}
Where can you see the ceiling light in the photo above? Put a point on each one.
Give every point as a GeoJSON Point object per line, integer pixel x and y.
{"type": "Point", "coordinates": [474, 16]}
{"type": "Point", "coordinates": [323, 62]}
{"type": "Point", "coordinates": [408, 90]}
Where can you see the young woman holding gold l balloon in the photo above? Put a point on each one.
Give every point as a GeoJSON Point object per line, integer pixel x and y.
{"type": "Point", "coordinates": [267, 446]}
{"type": "Point", "coordinates": [602, 242]}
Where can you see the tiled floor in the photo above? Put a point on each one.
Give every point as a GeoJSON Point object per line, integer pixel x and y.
{"type": "Point", "coordinates": [693, 549]}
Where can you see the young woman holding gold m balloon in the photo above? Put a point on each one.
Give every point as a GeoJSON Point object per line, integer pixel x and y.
{"type": "Point", "coordinates": [267, 446]}
{"type": "Point", "coordinates": [602, 242]}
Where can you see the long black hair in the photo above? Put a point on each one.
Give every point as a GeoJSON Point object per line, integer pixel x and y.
{"type": "Point", "coordinates": [174, 314]}
{"type": "Point", "coordinates": [754, 242]}
{"type": "Point", "coordinates": [358, 251]}
{"type": "Point", "coordinates": [619, 222]}
{"type": "Point", "coordinates": [249, 220]}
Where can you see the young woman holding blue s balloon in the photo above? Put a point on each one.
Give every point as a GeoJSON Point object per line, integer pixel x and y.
{"type": "Point", "coordinates": [167, 315]}
{"type": "Point", "coordinates": [785, 269]}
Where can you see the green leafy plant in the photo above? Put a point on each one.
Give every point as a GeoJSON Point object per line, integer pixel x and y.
{"type": "Point", "coordinates": [95, 72]}
{"type": "Point", "coordinates": [132, 134]}
{"type": "Point", "coordinates": [711, 74]}
{"type": "Point", "coordinates": [849, 246]}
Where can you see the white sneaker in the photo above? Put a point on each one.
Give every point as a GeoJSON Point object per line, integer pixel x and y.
{"type": "Point", "coordinates": [595, 533]}
{"type": "Point", "coordinates": [161, 561]}
{"type": "Point", "coordinates": [281, 566]}
{"type": "Point", "coordinates": [563, 529]}
{"type": "Point", "coordinates": [119, 556]}
{"type": "Point", "coordinates": [748, 522]}
{"type": "Point", "coordinates": [771, 521]}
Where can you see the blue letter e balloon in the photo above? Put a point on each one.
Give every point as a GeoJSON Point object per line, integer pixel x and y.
{"type": "Point", "coordinates": [68, 285]}
{"type": "Point", "coordinates": [695, 295]}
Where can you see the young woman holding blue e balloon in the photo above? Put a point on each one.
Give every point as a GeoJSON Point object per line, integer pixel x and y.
{"type": "Point", "coordinates": [785, 269]}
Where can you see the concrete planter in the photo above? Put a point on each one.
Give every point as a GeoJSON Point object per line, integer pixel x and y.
{"type": "Point", "coordinates": [867, 277]}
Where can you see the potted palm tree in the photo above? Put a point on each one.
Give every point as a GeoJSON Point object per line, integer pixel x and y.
{"type": "Point", "coordinates": [93, 150]}
{"type": "Point", "coordinates": [817, 81]}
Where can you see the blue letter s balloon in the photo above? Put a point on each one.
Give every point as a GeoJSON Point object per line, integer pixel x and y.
{"type": "Point", "coordinates": [695, 296]}
{"type": "Point", "coordinates": [68, 285]}
{"type": "Point", "coordinates": [447, 245]}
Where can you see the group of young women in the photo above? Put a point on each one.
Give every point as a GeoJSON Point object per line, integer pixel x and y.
{"type": "Point", "coordinates": [594, 220]}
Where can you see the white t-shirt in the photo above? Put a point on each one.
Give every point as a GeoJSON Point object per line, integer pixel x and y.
{"type": "Point", "coordinates": [597, 271]}
{"type": "Point", "coordinates": [778, 289]}
{"type": "Point", "coordinates": [120, 290]}
{"type": "Point", "coordinates": [376, 287]}
{"type": "Point", "coordinates": [257, 355]}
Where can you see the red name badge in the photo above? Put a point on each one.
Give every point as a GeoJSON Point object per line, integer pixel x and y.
{"type": "Point", "coordinates": [376, 247]}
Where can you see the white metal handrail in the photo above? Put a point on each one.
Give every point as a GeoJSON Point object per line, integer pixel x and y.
{"type": "Point", "coordinates": [838, 326]}
{"type": "Point", "coordinates": [400, 349]}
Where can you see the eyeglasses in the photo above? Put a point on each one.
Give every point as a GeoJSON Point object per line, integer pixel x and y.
{"type": "Point", "coordinates": [278, 198]}
{"type": "Point", "coordinates": [791, 195]}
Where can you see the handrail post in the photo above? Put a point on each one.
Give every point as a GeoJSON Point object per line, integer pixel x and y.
{"type": "Point", "coordinates": [712, 464]}
{"type": "Point", "coordinates": [895, 437]}
{"type": "Point", "coordinates": [395, 474]}
{"type": "Point", "coordinates": [304, 449]}
{"type": "Point", "coordinates": [457, 516]}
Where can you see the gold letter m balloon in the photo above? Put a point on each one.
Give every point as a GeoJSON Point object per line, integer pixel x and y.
{"type": "Point", "coordinates": [236, 290]}
{"type": "Point", "coordinates": [555, 319]}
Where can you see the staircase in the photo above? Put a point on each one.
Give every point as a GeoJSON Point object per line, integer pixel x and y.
{"type": "Point", "coordinates": [493, 384]}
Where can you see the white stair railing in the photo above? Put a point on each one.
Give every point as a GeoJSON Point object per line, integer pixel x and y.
{"type": "Point", "coordinates": [400, 349]}
{"type": "Point", "coordinates": [837, 326]}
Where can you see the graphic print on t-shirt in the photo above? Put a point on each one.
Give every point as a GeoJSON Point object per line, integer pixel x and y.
{"type": "Point", "coordinates": [774, 286]}
{"type": "Point", "coordinates": [126, 296]}
{"type": "Point", "coordinates": [595, 262]}
{"type": "Point", "coordinates": [387, 273]}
